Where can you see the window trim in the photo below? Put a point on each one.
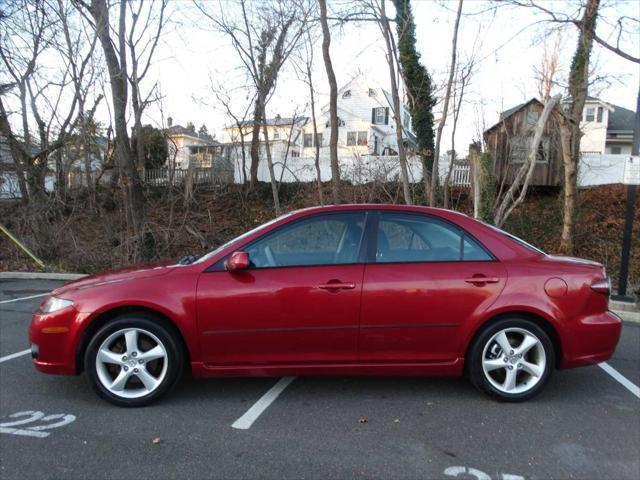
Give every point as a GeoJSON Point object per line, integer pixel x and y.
{"type": "Point", "coordinates": [219, 266]}
{"type": "Point", "coordinates": [371, 257]}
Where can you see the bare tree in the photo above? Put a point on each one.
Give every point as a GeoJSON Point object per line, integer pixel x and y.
{"type": "Point", "coordinates": [464, 77]}
{"type": "Point", "coordinates": [51, 100]}
{"type": "Point", "coordinates": [264, 38]}
{"type": "Point", "coordinates": [117, 64]}
{"type": "Point", "coordinates": [547, 71]}
{"type": "Point", "coordinates": [445, 108]}
{"type": "Point", "coordinates": [333, 102]}
{"type": "Point", "coordinates": [145, 17]}
{"type": "Point", "coordinates": [308, 79]}
{"type": "Point", "coordinates": [380, 13]}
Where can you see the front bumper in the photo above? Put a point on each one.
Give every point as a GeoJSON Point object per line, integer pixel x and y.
{"type": "Point", "coordinates": [593, 339]}
{"type": "Point", "coordinates": [54, 339]}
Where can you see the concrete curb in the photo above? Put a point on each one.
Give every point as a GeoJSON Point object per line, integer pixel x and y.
{"type": "Point", "coordinates": [40, 276]}
{"type": "Point", "coordinates": [633, 317]}
{"type": "Point", "coordinates": [623, 306]}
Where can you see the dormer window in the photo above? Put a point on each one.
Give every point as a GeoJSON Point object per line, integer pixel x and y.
{"type": "Point", "coordinates": [346, 94]}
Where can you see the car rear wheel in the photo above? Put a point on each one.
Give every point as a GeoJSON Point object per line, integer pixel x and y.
{"type": "Point", "coordinates": [511, 360]}
{"type": "Point", "coordinates": [133, 360]}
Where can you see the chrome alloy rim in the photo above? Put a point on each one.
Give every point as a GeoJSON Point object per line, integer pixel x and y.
{"type": "Point", "coordinates": [131, 363]}
{"type": "Point", "coordinates": [513, 360]}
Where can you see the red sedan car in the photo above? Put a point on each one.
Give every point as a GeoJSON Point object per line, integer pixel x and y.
{"type": "Point", "coordinates": [341, 290]}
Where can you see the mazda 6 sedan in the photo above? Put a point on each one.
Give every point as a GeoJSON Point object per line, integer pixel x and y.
{"type": "Point", "coordinates": [340, 290]}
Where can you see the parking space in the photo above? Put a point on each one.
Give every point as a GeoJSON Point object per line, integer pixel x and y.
{"type": "Point", "coordinates": [585, 424]}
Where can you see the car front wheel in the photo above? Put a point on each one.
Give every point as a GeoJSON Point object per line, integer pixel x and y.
{"type": "Point", "coordinates": [512, 360]}
{"type": "Point", "coordinates": [133, 360]}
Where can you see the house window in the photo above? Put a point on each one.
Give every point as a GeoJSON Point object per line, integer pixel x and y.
{"type": "Point", "coordinates": [363, 138]}
{"type": "Point", "coordinates": [543, 151]}
{"type": "Point", "coordinates": [375, 144]}
{"type": "Point", "coordinates": [295, 154]}
{"type": "Point", "coordinates": [616, 150]}
{"type": "Point", "coordinates": [372, 92]}
{"type": "Point", "coordinates": [351, 138]}
{"type": "Point", "coordinates": [346, 94]}
{"type": "Point", "coordinates": [518, 149]}
{"type": "Point", "coordinates": [599, 115]}
{"type": "Point", "coordinates": [319, 140]}
{"type": "Point", "coordinates": [276, 135]}
{"type": "Point", "coordinates": [591, 114]}
{"type": "Point", "coordinates": [532, 118]}
{"type": "Point", "coordinates": [379, 116]}
{"type": "Point", "coordinates": [308, 140]}
{"type": "Point", "coordinates": [406, 119]}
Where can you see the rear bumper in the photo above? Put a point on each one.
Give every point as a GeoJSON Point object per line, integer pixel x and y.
{"type": "Point", "coordinates": [54, 338]}
{"type": "Point", "coordinates": [593, 339]}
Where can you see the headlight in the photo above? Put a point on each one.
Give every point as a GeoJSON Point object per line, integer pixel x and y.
{"type": "Point", "coordinates": [53, 304]}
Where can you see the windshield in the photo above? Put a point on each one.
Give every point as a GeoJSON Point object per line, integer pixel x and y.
{"type": "Point", "coordinates": [211, 254]}
{"type": "Point", "coordinates": [513, 237]}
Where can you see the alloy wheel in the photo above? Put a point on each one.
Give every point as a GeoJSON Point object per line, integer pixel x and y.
{"type": "Point", "coordinates": [131, 363]}
{"type": "Point", "coordinates": [514, 360]}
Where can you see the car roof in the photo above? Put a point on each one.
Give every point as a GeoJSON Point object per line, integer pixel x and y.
{"type": "Point", "coordinates": [378, 206]}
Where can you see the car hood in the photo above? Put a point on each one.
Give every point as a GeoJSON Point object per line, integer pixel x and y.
{"type": "Point", "coordinates": [132, 272]}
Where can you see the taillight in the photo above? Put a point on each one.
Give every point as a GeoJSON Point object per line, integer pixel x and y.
{"type": "Point", "coordinates": [602, 286]}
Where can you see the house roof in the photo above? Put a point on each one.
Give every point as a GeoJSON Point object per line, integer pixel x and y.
{"type": "Point", "coordinates": [278, 121]}
{"type": "Point", "coordinates": [180, 130]}
{"type": "Point", "coordinates": [507, 113]}
{"type": "Point", "coordinates": [621, 119]}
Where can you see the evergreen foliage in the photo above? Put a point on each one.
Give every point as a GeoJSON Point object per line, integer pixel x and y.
{"type": "Point", "coordinates": [417, 81]}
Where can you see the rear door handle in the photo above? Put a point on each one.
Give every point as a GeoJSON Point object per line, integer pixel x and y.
{"type": "Point", "coordinates": [482, 280]}
{"type": "Point", "coordinates": [337, 286]}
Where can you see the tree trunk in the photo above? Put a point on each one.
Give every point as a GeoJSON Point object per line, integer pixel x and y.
{"type": "Point", "coordinates": [333, 103]}
{"type": "Point", "coordinates": [570, 185]}
{"type": "Point", "coordinates": [315, 136]}
{"type": "Point", "coordinates": [255, 142]}
{"type": "Point", "coordinates": [443, 119]}
{"type": "Point", "coordinates": [402, 156]}
{"type": "Point", "coordinates": [119, 93]}
{"type": "Point", "coordinates": [578, 87]}
{"type": "Point", "coordinates": [272, 175]}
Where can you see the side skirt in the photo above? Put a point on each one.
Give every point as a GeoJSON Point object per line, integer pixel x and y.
{"type": "Point", "coordinates": [440, 369]}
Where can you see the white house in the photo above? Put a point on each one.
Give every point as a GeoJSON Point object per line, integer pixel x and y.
{"type": "Point", "coordinates": [186, 146]}
{"type": "Point", "coordinates": [285, 145]}
{"type": "Point", "coordinates": [367, 141]}
{"type": "Point", "coordinates": [606, 128]}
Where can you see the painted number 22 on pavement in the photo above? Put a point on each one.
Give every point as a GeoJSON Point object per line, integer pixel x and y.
{"type": "Point", "coordinates": [42, 423]}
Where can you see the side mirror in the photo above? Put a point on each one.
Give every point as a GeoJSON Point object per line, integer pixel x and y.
{"type": "Point", "coordinates": [237, 261]}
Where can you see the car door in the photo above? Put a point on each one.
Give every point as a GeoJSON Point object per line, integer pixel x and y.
{"type": "Point", "coordinates": [298, 303]}
{"type": "Point", "coordinates": [427, 279]}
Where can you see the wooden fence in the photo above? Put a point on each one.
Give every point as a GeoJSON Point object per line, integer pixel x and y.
{"type": "Point", "coordinates": [163, 177]}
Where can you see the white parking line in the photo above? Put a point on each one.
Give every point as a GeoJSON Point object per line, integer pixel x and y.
{"type": "Point", "coordinates": [620, 378]}
{"type": "Point", "coordinates": [246, 420]}
{"type": "Point", "coordinates": [15, 355]}
{"type": "Point", "coordinates": [24, 298]}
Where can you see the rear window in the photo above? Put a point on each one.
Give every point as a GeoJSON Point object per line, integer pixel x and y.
{"type": "Point", "coordinates": [516, 239]}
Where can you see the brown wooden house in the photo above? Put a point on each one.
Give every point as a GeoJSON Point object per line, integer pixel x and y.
{"type": "Point", "coordinates": [508, 143]}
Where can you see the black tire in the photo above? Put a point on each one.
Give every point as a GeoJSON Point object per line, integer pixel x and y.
{"type": "Point", "coordinates": [475, 369]}
{"type": "Point", "coordinates": [157, 327]}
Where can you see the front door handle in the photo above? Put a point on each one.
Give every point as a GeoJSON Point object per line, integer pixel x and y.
{"type": "Point", "coordinates": [336, 285]}
{"type": "Point", "coordinates": [480, 281]}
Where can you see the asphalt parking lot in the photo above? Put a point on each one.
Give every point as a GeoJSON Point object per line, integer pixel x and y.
{"type": "Point", "coordinates": [585, 425]}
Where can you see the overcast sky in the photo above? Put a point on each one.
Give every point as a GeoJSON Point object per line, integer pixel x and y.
{"type": "Point", "coordinates": [508, 43]}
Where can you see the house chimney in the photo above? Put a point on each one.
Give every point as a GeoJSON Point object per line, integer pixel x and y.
{"type": "Point", "coordinates": [169, 121]}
